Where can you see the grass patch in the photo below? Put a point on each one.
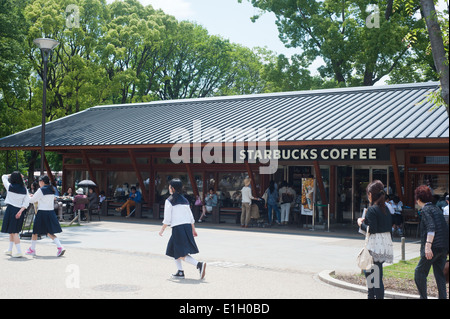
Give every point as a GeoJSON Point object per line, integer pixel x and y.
{"type": "Point", "coordinates": [403, 269]}
{"type": "Point", "coordinates": [398, 277]}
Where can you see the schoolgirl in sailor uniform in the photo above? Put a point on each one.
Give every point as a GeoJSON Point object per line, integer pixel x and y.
{"type": "Point", "coordinates": [45, 222]}
{"type": "Point", "coordinates": [17, 202]}
{"type": "Point", "coordinates": [178, 215]}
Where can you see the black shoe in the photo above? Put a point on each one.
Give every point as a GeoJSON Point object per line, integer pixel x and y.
{"type": "Point", "coordinates": [201, 268]}
{"type": "Point", "coordinates": [178, 275]}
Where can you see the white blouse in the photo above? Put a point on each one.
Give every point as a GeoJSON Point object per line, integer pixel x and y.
{"type": "Point", "coordinates": [177, 215]}
{"type": "Point", "coordinates": [14, 199]}
{"type": "Point", "coordinates": [45, 202]}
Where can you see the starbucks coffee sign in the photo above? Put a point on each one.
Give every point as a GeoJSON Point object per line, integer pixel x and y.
{"type": "Point", "coordinates": [317, 154]}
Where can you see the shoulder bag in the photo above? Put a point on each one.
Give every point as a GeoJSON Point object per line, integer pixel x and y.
{"type": "Point", "coordinates": [364, 258]}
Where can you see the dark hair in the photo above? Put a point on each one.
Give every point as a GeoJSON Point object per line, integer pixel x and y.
{"type": "Point", "coordinates": [45, 179]}
{"type": "Point", "coordinates": [271, 186]}
{"type": "Point", "coordinates": [376, 189]}
{"type": "Point", "coordinates": [177, 198]}
{"type": "Point", "coordinates": [133, 187]}
{"type": "Point", "coordinates": [177, 185]}
{"type": "Point", "coordinates": [423, 193]}
{"type": "Point", "coordinates": [16, 178]}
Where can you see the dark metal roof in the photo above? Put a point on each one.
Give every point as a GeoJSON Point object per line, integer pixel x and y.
{"type": "Point", "coordinates": [367, 113]}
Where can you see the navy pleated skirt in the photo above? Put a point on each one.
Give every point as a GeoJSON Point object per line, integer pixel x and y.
{"type": "Point", "coordinates": [46, 222]}
{"type": "Point", "coordinates": [11, 225]}
{"type": "Point", "coordinates": [182, 242]}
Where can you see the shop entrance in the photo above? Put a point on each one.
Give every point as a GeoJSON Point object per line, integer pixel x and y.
{"type": "Point", "coordinates": [352, 183]}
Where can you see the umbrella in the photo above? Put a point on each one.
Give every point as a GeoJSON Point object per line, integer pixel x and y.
{"type": "Point", "coordinates": [87, 183]}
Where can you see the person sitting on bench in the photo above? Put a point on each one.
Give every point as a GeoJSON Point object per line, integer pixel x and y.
{"type": "Point", "coordinates": [135, 197]}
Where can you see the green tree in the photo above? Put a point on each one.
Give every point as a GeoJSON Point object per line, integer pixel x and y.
{"type": "Point", "coordinates": [355, 53]}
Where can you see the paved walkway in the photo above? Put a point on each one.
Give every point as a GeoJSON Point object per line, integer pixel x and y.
{"type": "Point", "coordinates": [111, 259]}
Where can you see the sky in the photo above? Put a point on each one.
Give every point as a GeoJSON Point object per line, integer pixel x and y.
{"type": "Point", "coordinates": [231, 20]}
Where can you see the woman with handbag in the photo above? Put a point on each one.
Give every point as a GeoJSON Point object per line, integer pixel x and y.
{"type": "Point", "coordinates": [379, 242]}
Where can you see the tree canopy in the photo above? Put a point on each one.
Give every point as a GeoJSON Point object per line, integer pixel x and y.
{"type": "Point", "coordinates": [124, 52]}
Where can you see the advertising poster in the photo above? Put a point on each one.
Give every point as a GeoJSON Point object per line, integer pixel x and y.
{"type": "Point", "coordinates": [308, 196]}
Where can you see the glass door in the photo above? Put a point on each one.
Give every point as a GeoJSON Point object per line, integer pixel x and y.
{"type": "Point", "coordinates": [344, 197]}
{"type": "Point", "coordinates": [360, 201]}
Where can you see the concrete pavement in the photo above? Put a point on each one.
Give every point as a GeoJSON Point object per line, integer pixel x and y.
{"type": "Point", "coordinates": [126, 260]}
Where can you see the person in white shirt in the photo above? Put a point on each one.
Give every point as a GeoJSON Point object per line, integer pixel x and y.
{"type": "Point", "coordinates": [246, 203]}
{"type": "Point", "coordinates": [45, 222]}
{"type": "Point", "coordinates": [16, 203]}
{"type": "Point", "coordinates": [397, 218]}
{"type": "Point", "coordinates": [178, 215]}
{"type": "Point", "coordinates": [287, 197]}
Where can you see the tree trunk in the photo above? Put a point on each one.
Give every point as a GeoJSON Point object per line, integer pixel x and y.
{"type": "Point", "coordinates": [437, 46]}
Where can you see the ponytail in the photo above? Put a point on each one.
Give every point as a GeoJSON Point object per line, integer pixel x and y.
{"type": "Point", "coordinates": [376, 189]}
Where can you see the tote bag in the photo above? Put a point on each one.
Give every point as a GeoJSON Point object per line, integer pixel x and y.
{"type": "Point", "coordinates": [364, 258]}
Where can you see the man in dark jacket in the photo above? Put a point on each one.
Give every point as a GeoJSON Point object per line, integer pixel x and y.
{"type": "Point", "coordinates": [434, 244]}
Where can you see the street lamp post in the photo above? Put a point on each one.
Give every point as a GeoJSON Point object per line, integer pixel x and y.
{"type": "Point", "coordinates": [46, 46]}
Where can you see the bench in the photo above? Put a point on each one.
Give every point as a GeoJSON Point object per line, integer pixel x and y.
{"type": "Point", "coordinates": [233, 211]}
{"type": "Point", "coordinates": [410, 220]}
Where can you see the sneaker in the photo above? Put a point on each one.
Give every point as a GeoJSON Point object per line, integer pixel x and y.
{"type": "Point", "coordinates": [178, 275]}
{"type": "Point", "coordinates": [17, 255]}
{"type": "Point", "coordinates": [201, 268]}
{"type": "Point", "coordinates": [8, 252]}
{"type": "Point", "coordinates": [60, 252]}
{"type": "Point", "coordinates": [31, 252]}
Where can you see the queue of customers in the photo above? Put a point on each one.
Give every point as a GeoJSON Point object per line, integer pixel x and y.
{"type": "Point", "coordinates": [278, 200]}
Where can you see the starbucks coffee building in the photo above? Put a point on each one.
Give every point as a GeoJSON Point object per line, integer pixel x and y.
{"type": "Point", "coordinates": [344, 138]}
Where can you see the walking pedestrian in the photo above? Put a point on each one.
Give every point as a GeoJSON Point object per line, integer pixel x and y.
{"type": "Point", "coordinates": [433, 244]}
{"type": "Point", "coordinates": [379, 244]}
{"type": "Point", "coordinates": [16, 203]}
{"type": "Point", "coordinates": [178, 215]}
{"type": "Point", "coordinates": [45, 222]}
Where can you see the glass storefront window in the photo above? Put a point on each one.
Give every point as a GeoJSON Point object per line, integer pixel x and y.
{"type": "Point", "coordinates": [229, 188]}
{"type": "Point", "coordinates": [120, 182]}
{"type": "Point", "coordinates": [162, 185]}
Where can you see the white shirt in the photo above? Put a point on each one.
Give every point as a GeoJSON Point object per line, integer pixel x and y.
{"type": "Point", "coordinates": [177, 215]}
{"type": "Point", "coordinates": [247, 195]}
{"type": "Point", "coordinates": [445, 211]}
{"type": "Point", "coordinates": [14, 199]}
{"type": "Point", "coordinates": [391, 209]}
{"type": "Point", "coordinates": [45, 202]}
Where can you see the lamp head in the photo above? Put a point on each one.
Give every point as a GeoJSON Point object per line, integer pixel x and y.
{"type": "Point", "coordinates": [45, 43]}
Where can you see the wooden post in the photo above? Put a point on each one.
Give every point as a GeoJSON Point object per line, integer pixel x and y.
{"type": "Point", "coordinates": [49, 171]}
{"type": "Point", "coordinates": [88, 164]}
{"type": "Point", "coordinates": [398, 185]}
{"type": "Point", "coordinates": [323, 194]}
{"type": "Point", "coordinates": [192, 179]}
{"type": "Point", "coordinates": [138, 175]}
{"type": "Point", "coordinates": [255, 192]}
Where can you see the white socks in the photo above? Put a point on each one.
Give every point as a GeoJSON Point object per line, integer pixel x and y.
{"type": "Point", "coordinates": [19, 250]}
{"type": "Point", "coordinates": [179, 265]}
{"type": "Point", "coordinates": [11, 244]}
{"type": "Point", "coordinates": [189, 259]}
{"type": "Point", "coordinates": [57, 242]}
